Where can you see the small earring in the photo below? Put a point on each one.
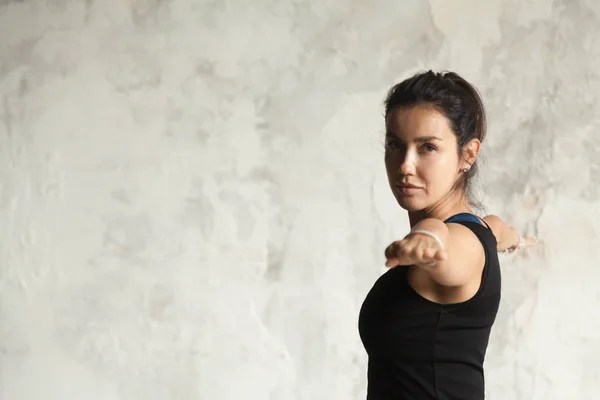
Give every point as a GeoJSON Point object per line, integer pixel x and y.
{"type": "Point", "coordinates": [465, 170]}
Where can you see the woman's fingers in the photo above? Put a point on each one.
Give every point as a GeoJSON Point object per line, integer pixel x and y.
{"type": "Point", "coordinates": [413, 250]}
{"type": "Point", "coordinates": [397, 253]}
{"type": "Point", "coordinates": [441, 255]}
{"type": "Point", "coordinates": [390, 251]}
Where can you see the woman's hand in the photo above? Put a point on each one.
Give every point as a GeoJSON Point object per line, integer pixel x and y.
{"type": "Point", "coordinates": [522, 243]}
{"type": "Point", "coordinates": [415, 249]}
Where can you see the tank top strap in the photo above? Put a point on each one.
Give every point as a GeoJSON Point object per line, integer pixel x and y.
{"type": "Point", "coordinates": [467, 217]}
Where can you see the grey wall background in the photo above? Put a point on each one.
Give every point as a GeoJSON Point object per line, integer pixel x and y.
{"type": "Point", "coordinates": [194, 203]}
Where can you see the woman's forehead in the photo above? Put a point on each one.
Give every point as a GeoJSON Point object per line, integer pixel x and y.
{"type": "Point", "coordinates": [419, 121]}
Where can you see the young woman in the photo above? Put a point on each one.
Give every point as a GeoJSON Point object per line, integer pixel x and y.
{"type": "Point", "coordinates": [426, 322]}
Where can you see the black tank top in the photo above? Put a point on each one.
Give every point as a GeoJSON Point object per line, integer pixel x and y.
{"type": "Point", "coordinates": [421, 350]}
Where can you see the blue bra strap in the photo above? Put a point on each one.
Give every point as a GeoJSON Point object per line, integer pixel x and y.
{"type": "Point", "coordinates": [464, 217]}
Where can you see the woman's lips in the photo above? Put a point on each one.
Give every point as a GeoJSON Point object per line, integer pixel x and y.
{"type": "Point", "coordinates": [407, 189]}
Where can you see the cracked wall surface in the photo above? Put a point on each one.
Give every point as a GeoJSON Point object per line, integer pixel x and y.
{"type": "Point", "coordinates": [194, 201]}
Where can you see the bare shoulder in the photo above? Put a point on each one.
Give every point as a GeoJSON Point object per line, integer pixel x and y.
{"type": "Point", "coordinates": [464, 244]}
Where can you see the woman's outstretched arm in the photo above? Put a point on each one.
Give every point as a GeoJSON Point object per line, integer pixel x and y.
{"type": "Point", "coordinates": [506, 236]}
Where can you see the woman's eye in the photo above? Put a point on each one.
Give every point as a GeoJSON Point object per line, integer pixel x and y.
{"type": "Point", "coordinates": [429, 148]}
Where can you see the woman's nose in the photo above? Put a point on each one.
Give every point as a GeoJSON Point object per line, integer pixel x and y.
{"type": "Point", "coordinates": [407, 167]}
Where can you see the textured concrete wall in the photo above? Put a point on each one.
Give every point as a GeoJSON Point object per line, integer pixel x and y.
{"type": "Point", "coordinates": [193, 200]}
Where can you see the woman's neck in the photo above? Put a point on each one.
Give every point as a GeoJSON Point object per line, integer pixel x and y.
{"type": "Point", "coordinates": [440, 211]}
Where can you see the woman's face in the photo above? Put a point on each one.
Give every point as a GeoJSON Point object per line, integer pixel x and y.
{"type": "Point", "coordinates": [421, 157]}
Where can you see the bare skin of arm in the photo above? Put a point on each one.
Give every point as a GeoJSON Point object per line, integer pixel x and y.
{"type": "Point", "coordinates": [458, 258]}
{"type": "Point", "coordinates": [455, 261]}
{"type": "Point", "coordinates": [506, 236]}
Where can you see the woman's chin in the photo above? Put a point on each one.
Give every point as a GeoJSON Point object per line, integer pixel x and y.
{"type": "Point", "coordinates": [410, 203]}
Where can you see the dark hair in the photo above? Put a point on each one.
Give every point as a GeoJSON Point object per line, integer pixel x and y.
{"type": "Point", "coordinates": [456, 99]}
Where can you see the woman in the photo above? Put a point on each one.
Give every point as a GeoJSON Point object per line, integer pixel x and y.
{"type": "Point", "coordinates": [426, 322]}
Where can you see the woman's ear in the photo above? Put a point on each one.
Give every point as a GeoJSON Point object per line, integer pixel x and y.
{"type": "Point", "coordinates": [470, 152]}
